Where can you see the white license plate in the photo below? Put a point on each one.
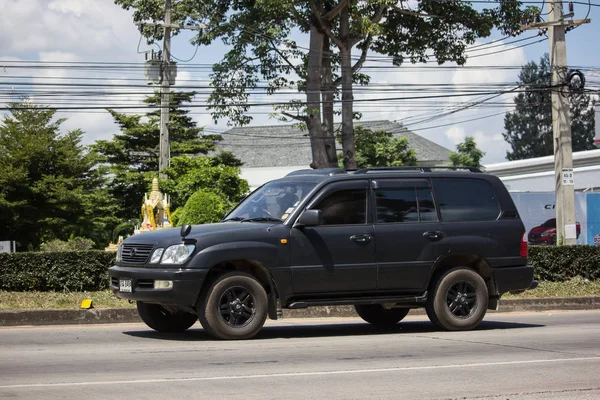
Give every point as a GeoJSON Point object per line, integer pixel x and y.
{"type": "Point", "coordinates": [125, 285]}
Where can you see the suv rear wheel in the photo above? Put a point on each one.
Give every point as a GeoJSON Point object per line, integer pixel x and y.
{"type": "Point", "coordinates": [379, 316]}
{"type": "Point", "coordinates": [163, 319]}
{"type": "Point", "coordinates": [458, 301]}
{"type": "Point", "coordinates": [234, 307]}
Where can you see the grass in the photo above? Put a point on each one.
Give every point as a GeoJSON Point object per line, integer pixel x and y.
{"type": "Point", "coordinates": [59, 300]}
{"type": "Point", "coordinates": [577, 287]}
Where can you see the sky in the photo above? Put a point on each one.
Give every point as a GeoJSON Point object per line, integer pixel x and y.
{"type": "Point", "coordinates": [98, 31]}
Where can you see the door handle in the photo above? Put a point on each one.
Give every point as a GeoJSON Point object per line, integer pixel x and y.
{"type": "Point", "coordinates": [433, 235]}
{"type": "Point", "coordinates": [361, 238]}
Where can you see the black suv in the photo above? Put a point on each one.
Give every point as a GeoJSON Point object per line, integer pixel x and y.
{"type": "Point", "coordinates": [382, 239]}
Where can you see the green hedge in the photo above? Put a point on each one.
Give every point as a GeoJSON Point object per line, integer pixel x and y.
{"type": "Point", "coordinates": [87, 270]}
{"type": "Point", "coordinates": [75, 271]}
{"type": "Point", "coordinates": [561, 263]}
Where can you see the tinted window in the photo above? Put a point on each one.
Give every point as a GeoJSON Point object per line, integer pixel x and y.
{"type": "Point", "coordinates": [397, 205]}
{"type": "Point", "coordinates": [344, 207]}
{"type": "Point", "coordinates": [405, 205]}
{"type": "Point", "coordinates": [426, 205]}
{"type": "Point", "coordinates": [466, 199]}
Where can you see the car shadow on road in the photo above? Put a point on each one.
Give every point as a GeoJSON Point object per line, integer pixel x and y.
{"type": "Point", "coordinates": [312, 330]}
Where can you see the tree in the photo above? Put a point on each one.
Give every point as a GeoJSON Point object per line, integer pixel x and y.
{"type": "Point", "coordinates": [132, 155]}
{"type": "Point", "coordinates": [187, 175]}
{"type": "Point", "coordinates": [204, 207]}
{"type": "Point", "coordinates": [260, 50]}
{"type": "Point", "coordinates": [382, 149]}
{"type": "Point", "coordinates": [50, 184]}
{"type": "Point", "coordinates": [528, 129]}
{"type": "Point", "coordinates": [467, 154]}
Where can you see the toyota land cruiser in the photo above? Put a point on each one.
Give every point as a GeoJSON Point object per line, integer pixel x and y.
{"type": "Point", "coordinates": [384, 240]}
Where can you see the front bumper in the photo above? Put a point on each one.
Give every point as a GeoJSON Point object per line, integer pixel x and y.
{"type": "Point", "coordinates": [514, 279]}
{"type": "Point", "coordinates": [186, 284]}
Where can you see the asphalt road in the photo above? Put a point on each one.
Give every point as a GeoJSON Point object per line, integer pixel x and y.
{"type": "Point", "coordinates": [511, 356]}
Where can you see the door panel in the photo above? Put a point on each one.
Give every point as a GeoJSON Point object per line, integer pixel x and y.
{"type": "Point", "coordinates": [339, 255]}
{"type": "Point", "coordinates": [325, 259]}
{"type": "Point", "coordinates": [405, 256]}
{"type": "Point", "coordinates": [409, 236]}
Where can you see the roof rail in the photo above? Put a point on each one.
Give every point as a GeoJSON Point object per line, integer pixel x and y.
{"type": "Point", "coordinates": [323, 171]}
{"type": "Point", "coordinates": [415, 168]}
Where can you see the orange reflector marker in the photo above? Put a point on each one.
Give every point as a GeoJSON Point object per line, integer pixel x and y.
{"type": "Point", "coordinates": [283, 241]}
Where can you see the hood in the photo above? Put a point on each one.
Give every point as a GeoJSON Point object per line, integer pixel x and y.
{"type": "Point", "coordinates": [221, 231]}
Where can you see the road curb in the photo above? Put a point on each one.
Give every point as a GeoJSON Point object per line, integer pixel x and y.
{"type": "Point", "coordinates": [130, 315]}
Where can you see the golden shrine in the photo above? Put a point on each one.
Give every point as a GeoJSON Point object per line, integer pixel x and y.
{"type": "Point", "coordinates": [155, 210]}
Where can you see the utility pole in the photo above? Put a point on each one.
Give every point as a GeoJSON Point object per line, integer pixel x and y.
{"type": "Point", "coordinates": [164, 149]}
{"type": "Point", "coordinates": [167, 78]}
{"type": "Point", "coordinates": [561, 120]}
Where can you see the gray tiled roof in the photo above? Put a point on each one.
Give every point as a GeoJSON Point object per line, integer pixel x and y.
{"type": "Point", "coordinates": [288, 145]}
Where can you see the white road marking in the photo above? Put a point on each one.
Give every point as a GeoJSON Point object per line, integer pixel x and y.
{"type": "Point", "coordinates": [298, 374]}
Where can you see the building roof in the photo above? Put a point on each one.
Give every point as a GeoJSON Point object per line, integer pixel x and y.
{"type": "Point", "coordinates": [289, 145]}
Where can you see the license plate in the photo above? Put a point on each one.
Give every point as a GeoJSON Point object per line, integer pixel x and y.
{"type": "Point", "coordinates": [125, 285]}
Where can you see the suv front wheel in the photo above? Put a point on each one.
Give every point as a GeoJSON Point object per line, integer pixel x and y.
{"type": "Point", "coordinates": [458, 301]}
{"type": "Point", "coordinates": [234, 307]}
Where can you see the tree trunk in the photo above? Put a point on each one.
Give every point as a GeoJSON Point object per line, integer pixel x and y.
{"type": "Point", "coordinates": [327, 96]}
{"type": "Point", "coordinates": [313, 97]}
{"type": "Point", "coordinates": [347, 97]}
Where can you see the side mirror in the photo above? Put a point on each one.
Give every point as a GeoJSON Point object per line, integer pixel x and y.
{"type": "Point", "coordinates": [310, 218]}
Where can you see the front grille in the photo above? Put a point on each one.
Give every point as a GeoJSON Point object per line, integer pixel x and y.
{"type": "Point", "coordinates": [135, 253]}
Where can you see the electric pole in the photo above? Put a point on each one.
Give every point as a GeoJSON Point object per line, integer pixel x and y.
{"type": "Point", "coordinates": [164, 149]}
{"type": "Point", "coordinates": [561, 120]}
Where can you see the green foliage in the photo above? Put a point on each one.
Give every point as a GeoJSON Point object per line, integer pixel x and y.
{"type": "Point", "coordinates": [124, 229]}
{"type": "Point", "coordinates": [75, 244]}
{"type": "Point", "coordinates": [381, 149]}
{"type": "Point", "coordinates": [529, 127]}
{"type": "Point", "coordinates": [257, 34]}
{"type": "Point", "coordinates": [132, 155]}
{"type": "Point", "coordinates": [51, 186]}
{"type": "Point", "coordinates": [204, 207]}
{"type": "Point", "coordinates": [61, 271]}
{"type": "Point", "coordinates": [187, 175]}
{"type": "Point", "coordinates": [467, 154]}
{"type": "Point", "coordinates": [561, 263]}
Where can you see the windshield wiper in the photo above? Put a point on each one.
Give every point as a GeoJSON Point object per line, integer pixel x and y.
{"type": "Point", "coordinates": [234, 219]}
{"type": "Point", "coordinates": [262, 219]}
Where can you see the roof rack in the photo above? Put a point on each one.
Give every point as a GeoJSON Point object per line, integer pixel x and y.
{"type": "Point", "coordinates": [323, 171]}
{"type": "Point", "coordinates": [415, 168]}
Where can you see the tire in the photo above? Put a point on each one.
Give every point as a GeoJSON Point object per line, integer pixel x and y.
{"type": "Point", "coordinates": [234, 307]}
{"type": "Point", "coordinates": [458, 301]}
{"type": "Point", "coordinates": [377, 315]}
{"type": "Point", "coordinates": [162, 319]}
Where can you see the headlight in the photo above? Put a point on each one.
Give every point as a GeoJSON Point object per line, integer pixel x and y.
{"type": "Point", "coordinates": [156, 256]}
{"type": "Point", "coordinates": [544, 234]}
{"type": "Point", "coordinates": [118, 258]}
{"type": "Point", "coordinates": [177, 254]}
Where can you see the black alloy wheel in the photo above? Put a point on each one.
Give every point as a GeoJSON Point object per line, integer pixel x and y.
{"type": "Point", "coordinates": [237, 306]}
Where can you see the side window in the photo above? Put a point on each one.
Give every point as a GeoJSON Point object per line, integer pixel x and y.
{"type": "Point", "coordinates": [396, 205]}
{"type": "Point", "coordinates": [344, 207]}
{"type": "Point", "coordinates": [426, 205]}
{"type": "Point", "coordinates": [405, 205]}
{"type": "Point", "coordinates": [466, 199]}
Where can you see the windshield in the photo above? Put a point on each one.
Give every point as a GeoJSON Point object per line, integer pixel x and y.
{"type": "Point", "coordinates": [274, 201]}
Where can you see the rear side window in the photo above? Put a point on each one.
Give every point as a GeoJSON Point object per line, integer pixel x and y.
{"type": "Point", "coordinates": [406, 204]}
{"type": "Point", "coordinates": [462, 199]}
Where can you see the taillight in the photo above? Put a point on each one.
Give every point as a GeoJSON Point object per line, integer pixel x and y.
{"type": "Point", "coordinates": [524, 245]}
